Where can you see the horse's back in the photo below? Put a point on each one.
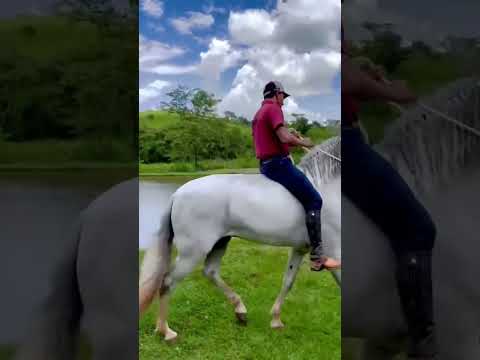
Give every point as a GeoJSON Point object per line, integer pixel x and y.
{"type": "Point", "coordinates": [107, 269]}
{"type": "Point", "coordinates": [247, 205]}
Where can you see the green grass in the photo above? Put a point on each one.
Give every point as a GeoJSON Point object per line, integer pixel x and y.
{"type": "Point", "coordinates": [217, 165]}
{"type": "Point", "coordinates": [63, 152]}
{"type": "Point", "coordinates": [207, 327]}
{"type": "Point", "coordinates": [6, 352]}
{"type": "Point", "coordinates": [31, 37]}
{"type": "Point", "coordinates": [157, 119]}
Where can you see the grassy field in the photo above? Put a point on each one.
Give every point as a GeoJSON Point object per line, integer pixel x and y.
{"type": "Point", "coordinates": [207, 327]}
{"type": "Point", "coordinates": [204, 165]}
{"type": "Point", "coordinates": [157, 119]}
{"type": "Point", "coordinates": [61, 152]}
{"type": "Point", "coordinates": [161, 122]}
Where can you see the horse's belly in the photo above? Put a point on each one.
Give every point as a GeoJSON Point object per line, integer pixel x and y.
{"type": "Point", "coordinates": [370, 304]}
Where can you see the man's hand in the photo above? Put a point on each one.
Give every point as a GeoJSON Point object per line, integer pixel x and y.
{"type": "Point", "coordinates": [295, 133]}
{"type": "Point", "coordinates": [307, 142]}
{"type": "Point", "coordinates": [287, 137]}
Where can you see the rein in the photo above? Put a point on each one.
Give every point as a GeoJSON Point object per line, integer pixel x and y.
{"type": "Point", "coordinates": [307, 150]}
{"type": "Point", "coordinates": [367, 65]}
{"type": "Point", "coordinates": [440, 114]}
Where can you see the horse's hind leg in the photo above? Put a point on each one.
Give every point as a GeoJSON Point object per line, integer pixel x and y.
{"type": "Point", "coordinates": [294, 263]}
{"type": "Point", "coordinates": [183, 266]}
{"type": "Point", "coordinates": [212, 272]}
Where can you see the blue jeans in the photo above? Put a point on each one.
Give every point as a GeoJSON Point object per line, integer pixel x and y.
{"type": "Point", "coordinates": [377, 189]}
{"type": "Point", "coordinates": [281, 170]}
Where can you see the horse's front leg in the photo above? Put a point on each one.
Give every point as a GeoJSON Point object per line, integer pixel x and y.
{"type": "Point", "coordinates": [294, 263]}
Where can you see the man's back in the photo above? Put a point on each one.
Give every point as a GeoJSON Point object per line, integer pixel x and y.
{"type": "Point", "coordinates": [266, 121]}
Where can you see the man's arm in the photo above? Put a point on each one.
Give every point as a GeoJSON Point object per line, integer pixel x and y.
{"type": "Point", "coordinates": [287, 137]}
{"type": "Point", "coordinates": [359, 84]}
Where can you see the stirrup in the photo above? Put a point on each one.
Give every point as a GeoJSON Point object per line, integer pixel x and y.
{"type": "Point", "coordinates": [317, 259]}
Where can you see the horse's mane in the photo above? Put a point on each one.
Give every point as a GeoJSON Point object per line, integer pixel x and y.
{"type": "Point", "coordinates": [320, 167]}
{"type": "Point", "coordinates": [428, 150]}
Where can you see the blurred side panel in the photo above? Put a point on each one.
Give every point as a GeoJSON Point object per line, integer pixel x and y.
{"type": "Point", "coordinates": [433, 143]}
{"type": "Point", "coordinates": [68, 179]}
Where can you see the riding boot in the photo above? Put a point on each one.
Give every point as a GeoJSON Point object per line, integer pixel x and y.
{"type": "Point", "coordinates": [414, 281]}
{"type": "Point", "coordinates": [314, 228]}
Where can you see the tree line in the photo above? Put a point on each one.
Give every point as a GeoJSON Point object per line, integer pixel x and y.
{"type": "Point", "coordinates": [62, 76]}
{"type": "Point", "coordinates": [200, 134]}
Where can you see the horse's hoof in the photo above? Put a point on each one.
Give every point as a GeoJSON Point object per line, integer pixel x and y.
{"type": "Point", "coordinates": [277, 324]}
{"type": "Point", "coordinates": [242, 318]}
{"type": "Point", "coordinates": [171, 337]}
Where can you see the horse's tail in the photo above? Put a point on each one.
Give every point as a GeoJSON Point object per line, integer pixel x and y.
{"type": "Point", "coordinates": [156, 261]}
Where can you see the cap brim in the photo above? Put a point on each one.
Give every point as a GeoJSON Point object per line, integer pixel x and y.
{"type": "Point", "coordinates": [285, 95]}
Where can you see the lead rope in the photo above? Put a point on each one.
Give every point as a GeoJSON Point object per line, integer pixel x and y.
{"type": "Point", "coordinates": [367, 65]}
{"type": "Point", "coordinates": [440, 114]}
{"type": "Point", "coordinates": [307, 150]}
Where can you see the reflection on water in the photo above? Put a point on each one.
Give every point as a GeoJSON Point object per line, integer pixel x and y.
{"type": "Point", "coordinates": [36, 211]}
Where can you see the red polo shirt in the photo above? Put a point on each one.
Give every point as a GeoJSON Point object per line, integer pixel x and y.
{"type": "Point", "coordinates": [265, 123]}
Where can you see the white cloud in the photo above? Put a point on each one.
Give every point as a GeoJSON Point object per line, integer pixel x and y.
{"type": "Point", "coordinates": [301, 74]}
{"type": "Point", "coordinates": [251, 27]}
{"type": "Point", "coordinates": [156, 27]}
{"type": "Point", "coordinates": [153, 8]}
{"type": "Point", "coordinates": [152, 90]}
{"type": "Point", "coordinates": [153, 55]}
{"type": "Point", "coordinates": [219, 57]}
{"type": "Point", "coordinates": [246, 96]}
{"type": "Point", "coordinates": [196, 20]}
{"type": "Point", "coordinates": [173, 69]}
{"type": "Point", "coordinates": [152, 52]}
{"type": "Point", "coordinates": [210, 9]}
{"type": "Point", "coordinates": [302, 25]}
{"type": "Point", "coordinates": [297, 43]}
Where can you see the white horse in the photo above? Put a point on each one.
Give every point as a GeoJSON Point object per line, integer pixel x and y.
{"type": "Point", "coordinates": [205, 213]}
{"type": "Point", "coordinates": [93, 290]}
{"type": "Point", "coordinates": [440, 161]}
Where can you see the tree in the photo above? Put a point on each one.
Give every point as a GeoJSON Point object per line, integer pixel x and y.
{"type": "Point", "coordinates": [230, 115]}
{"type": "Point", "coordinates": [92, 10]}
{"type": "Point", "coordinates": [204, 104]}
{"type": "Point", "coordinates": [301, 124]}
{"type": "Point", "coordinates": [243, 120]}
{"type": "Point", "coordinates": [188, 141]}
{"type": "Point", "coordinates": [386, 46]}
{"type": "Point", "coordinates": [180, 99]}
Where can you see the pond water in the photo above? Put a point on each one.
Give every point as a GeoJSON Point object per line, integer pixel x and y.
{"type": "Point", "coordinates": [153, 196]}
{"type": "Point", "coordinates": [36, 211]}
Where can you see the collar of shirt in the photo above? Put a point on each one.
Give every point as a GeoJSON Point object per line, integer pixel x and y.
{"type": "Point", "coordinates": [269, 101]}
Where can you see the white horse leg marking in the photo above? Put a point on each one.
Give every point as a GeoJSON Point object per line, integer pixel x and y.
{"type": "Point", "coordinates": [212, 272]}
{"type": "Point", "coordinates": [294, 263]}
{"type": "Point", "coordinates": [183, 266]}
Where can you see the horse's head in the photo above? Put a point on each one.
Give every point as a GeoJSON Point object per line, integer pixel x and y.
{"type": "Point", "coordinates": [425, 148]}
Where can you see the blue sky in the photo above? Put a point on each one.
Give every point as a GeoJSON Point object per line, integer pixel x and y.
{"type": "Point", "coordinates": [233, 49]}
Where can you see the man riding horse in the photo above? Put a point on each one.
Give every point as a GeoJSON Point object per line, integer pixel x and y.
{"type": "Point", "coordinates": [272, 140]}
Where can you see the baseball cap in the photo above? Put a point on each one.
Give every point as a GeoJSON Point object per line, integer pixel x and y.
{"type": "Point", "coordinates": [274, 87]}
